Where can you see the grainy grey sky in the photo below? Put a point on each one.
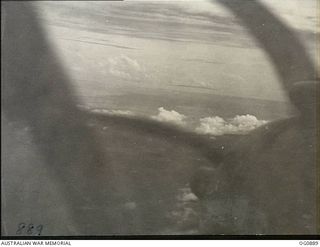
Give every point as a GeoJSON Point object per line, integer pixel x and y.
{"type": "Point", "coordinates": [183, 45]}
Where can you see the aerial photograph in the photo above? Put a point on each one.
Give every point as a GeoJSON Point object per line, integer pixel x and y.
{"type": "Point", "coordinates": [160, 118]}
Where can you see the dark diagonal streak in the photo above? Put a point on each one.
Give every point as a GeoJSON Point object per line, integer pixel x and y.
{"type": "Point", "coordinates": [96, 43]}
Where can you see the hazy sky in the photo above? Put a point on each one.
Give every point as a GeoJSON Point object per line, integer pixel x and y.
{"type": "Point", "coordinates": [180, 45]}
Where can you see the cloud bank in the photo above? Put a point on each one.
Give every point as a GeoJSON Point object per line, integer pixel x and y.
{"type": "Point", "coordinates": [172, 117]}
{"type": "Point", "coordinates": [126, 68]}
{"type": "Point", "coordinates": [240, 124]}
{"type": "Point", "coordinates": [216, 126]}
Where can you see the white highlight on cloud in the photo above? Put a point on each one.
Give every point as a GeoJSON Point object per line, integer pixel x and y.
{"type": "Point", "coordinates": [126, 67]}
{"type": "Point", "coordinates": [172, 117]}
{"type": "Point", "coordinates": [238, 125]}
{"type": "Point", "coordinates": [113, 112]}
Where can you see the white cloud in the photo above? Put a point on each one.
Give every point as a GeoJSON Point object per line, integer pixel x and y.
{"type": "Point", "coordinates": [170, 117]}
{"type": "Point", "coordinates": [126, 67]}
{"type": "Point", "coordinates": [121, 112]}
{"type": "Point", "coordinates": [112, 112]}
{"type": "Point", "coordinates": [237, 125]}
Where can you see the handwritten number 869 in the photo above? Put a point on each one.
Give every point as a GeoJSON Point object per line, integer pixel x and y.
{"type": "Point", "coordinates": [29, 229]}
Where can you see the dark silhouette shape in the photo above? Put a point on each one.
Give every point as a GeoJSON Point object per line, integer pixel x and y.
{"type": "Point", "coordinates": [37, 92]}
{"type": "Point", "coordinates": [272, 174]}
